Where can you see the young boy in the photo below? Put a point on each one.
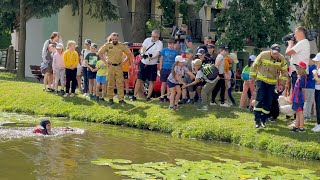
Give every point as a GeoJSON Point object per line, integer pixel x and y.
{"type": "Point", "coordinates": [125, 69]}
{"type": "Point", "coordinates": [187, 79]}
{"type": "Point", "coordinates": [167, 60]}
{"type": "Point", "coordinates": [101, 69]}
{"type": "Point", "coordinates": [83, 56]}
{"type": "Point", "coordinates": [91, 61]}
{"type": "Point", "coordinates": [310, 89]}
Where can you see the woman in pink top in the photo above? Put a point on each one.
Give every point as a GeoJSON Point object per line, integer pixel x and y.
{"type": "Point", "coordinates": [59, 69]}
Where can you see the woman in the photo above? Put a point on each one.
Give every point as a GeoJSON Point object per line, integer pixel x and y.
{"type": "Point", "coordinates": [44, 128]}
{"type": "Point", "coordinates": [46, 65]}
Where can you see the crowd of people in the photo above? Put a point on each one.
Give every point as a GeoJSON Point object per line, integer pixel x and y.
{"type": "Point", "coordinates": [188, 76]}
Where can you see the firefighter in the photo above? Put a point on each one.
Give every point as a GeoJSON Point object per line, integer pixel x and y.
{"type": "Point", "coordinates": [269, 67]}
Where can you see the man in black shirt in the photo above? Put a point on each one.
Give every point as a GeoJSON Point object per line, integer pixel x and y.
{"type": "Point", "coordinates": [207, 40]}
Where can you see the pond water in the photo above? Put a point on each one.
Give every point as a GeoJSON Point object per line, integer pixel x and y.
{"type": "Point", "coordinates": [69, 156]}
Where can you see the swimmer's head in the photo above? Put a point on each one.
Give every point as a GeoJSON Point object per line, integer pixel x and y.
{"type": "Point", "coordinates": [46, 124]}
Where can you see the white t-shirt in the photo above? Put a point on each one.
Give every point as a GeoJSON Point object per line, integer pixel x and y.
{"type": "Point", "coordinates": [157, 47]}
{"type": "Point", "coordinates": [221, 67]}
{"type": "Point", "coordinates": [302, 49]}
{"type": "Point", "coordinates": [84, 55]}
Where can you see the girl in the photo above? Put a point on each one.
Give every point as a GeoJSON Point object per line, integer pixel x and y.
{"type": "Point", "coordinates": [316, 74]}
{"type": "Point", "coordinates": [247, 85]}
{"type": "Point", "coordinates": [175, 80]}
{"type": "Point", "coordinates": [298, 97]}
{"type": "Point", "coordinates": [71, 60]}
{"type": "Point", "coordinates": [58, 68]}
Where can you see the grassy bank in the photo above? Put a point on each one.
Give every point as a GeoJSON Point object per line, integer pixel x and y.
{"type": "Point", "coordinates": [222, 124]}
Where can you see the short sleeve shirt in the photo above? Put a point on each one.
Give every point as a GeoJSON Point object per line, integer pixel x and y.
{"type": "Point", "coordinates": [168, 57]}
{"type": "Point", "coordinates": [84, 54]}
{"type": "Point", "coordinates": [102, 68]}
{"type": "Point", "coordinates": [92, 59]}
{"type": "Point", "coordinates": [180, 71]}
{"type": "Point", "coordinates": [302, 49]}
{"type": "Point", "coordinates": [221, 67]}
{"type": "Point", "coordinates": [310, 81]}
{"type": "Point", "coordinates": [157, 47]}
{"type": "Point", "coordinates": [297, 95]}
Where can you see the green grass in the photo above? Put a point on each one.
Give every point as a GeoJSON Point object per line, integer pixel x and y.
{"type": "Point", "coordinates": [221, 124]}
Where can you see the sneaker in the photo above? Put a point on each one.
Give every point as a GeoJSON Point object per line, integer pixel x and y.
{"type": "Point", "coordinates": [316, 128]}
{"type": "Point", "coordinates": [190, 101]}
{"type": "Point", "coordinates": [180, 101]}
{"type": "Point", "coordinates": [111, 102]}
{"type": "Point", "coordinates": [50, 90]}
{"type": "Point", "coordinates": [302, 130]}
{"type": "Point", "coordinates": [122, 102]}
{"type": "Point", "coordinates": [213, 104]}
{"type": "Point", "coordinates": [171, 107]}
{"type": "Point", "coordinates": [263, 124]}
{"type": "Point", "coordinates": [271, 120]}
{"type": "Point", "coordinates": [56, 93]}
{"type": "Point", "coordinates": [97, 98]}
{"type": "Point", "coordinates": [178, 106]}
{"type": "Point", "coordinates": [224, 105]}
{"type": "Point", "coordinates": [71, 95]}
{"type": "Point", "coordinates": [294, 129]}
{"type": "Point", "coordinates": [133, 98]}
{"type": "Point", "coordinates": [102, 99]}
{"type": "Point", "coordinates": [148, 99]}
{"type": "Point", "coordinates": [127, 96]}
{"type": "Point", "coordinates": [66, 95]}
{"type": "Point", "coordinates": [251, 109]}
{"type": "Point", "coordinates": [85, 94]}
{"type": "Point", "coordinates": [162, 100]}
{"type": "Point", "coordinates": [167, 99]}
{"type": "Point", "coordinates": [62, 92]}
{"type": "Point", "coordinates": [203, 108]}
{"type": "Point", "coordinates": [258, 124]}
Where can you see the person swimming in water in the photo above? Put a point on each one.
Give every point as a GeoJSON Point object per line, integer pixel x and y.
{"type": "Point", "coordinates": [44, 128]}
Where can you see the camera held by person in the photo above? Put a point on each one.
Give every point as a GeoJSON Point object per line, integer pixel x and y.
{"type": "Point", "coordinates": [311, 34]}
{"type": "Point", "coordinates": [178, 34]}
{"type": "Point", "coordinates": [145, 56]}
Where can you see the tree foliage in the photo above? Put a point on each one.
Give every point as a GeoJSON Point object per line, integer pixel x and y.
{"type": "Point", "coordinates": [259, 23]}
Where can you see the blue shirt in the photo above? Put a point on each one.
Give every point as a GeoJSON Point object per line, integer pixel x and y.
{"type": "Point", "coordinates": [297, 95]}
{"type": "Point", "coordinates": [168, 58]}
{"type": "Point", "coordinates": [311, 83]}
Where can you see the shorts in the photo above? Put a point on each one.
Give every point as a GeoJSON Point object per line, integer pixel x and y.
{"type": "Point", "coordinates": [164, 74]}
{"type": "Point", "coordinates": [101, 79]}
{"type": "Point", "coordinates": [187, 80]}
{"type": "Point", "coordinates": [91, 75]}
{"type": "Point", "coordinates": [147, 72]}
{"type": "Point", "coordinates": [126, 75]}
{"type": "Point", "coordinates": [79, 69]}
{"type": "Point", "coordinates": [171, 85]}
{"type": "Point", "coordinates": [201, 84]}
{"type": "Point", "coordinates": [298, 107]}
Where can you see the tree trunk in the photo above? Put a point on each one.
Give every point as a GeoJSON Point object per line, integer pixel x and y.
{"type": "Point", "coordinates": [22, 40]}
{"type": "Point", "coordinates": [125, 20]}
{"type": "Point", "coordinates": [80, 22]}
{"type": "Point", "coordinates": [140, 19]}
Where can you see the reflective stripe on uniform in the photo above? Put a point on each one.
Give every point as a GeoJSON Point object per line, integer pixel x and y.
{"type": "Point", "coordinates": [267, 61]}
{"type": "Point", "coordinates": [283, 78]}
{"type": "Point", "coordinates": [261, 110]}
{"type": "Point", "coordinates": [267, 80]}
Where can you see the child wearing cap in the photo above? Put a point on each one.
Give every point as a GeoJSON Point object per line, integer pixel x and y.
{"type": "Point", "coordinates": [310, 89]}
{"type": "Point", "coordinates": [187, 79]}
{"type": "Point", "coordinates": [101, 78]}
{"type": "Point", "coordinates": [316, 75]}
{"type": "Point", "coordinates": [175, 81]}
{"type": "Point", "coordinates": [91, 61]}
{"type": "Point", "coordinates": [71, 60]}
{"type": "Point", "coordinates": [58, 68]}
{"type": "Point", "coordinates": [203, 76]}
{"type": "Point", "coordinates": [167, 60]}
{"type": "Point", "coordinates": [247, 85]}
{"type": "Point", "coordinates": [83, 56]}
{"type": "Point", "coordinates": [298, 97]}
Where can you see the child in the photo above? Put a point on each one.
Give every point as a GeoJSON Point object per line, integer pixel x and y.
{"type": "Point", "coordinates": [247, 85]}
{"type": "Point", "coordinates": [205, 75]}
{"type": "Point", "coordinates": [298, 97]}
{"type": "Point", "coordinates": [167, 60]}
{"type": "Point", "coordinates": [316, 74]}
{"type": "Point", "coordinates": [175, 80]}
{"type": "Point", "coordinates": [101, 77]}
{"type": "Point", "coordinates": [59, 69]}
{"type": "Point", "coordinates": [84, 54]}
{"type": "Point", "coordinates": [231, 83]}
{"type": "Point", "coordinates": [71, 60]}
{"type": "Point", "coordinates": [310, 88]}
{"type": "Point", "coordinates": [187, 79]}
{"type": "Point", "coordinates": [125, 69]}
{"type": "Point", "coordinates": [91, 61]}
{"type": "Point", "coordinates": [229, 75]}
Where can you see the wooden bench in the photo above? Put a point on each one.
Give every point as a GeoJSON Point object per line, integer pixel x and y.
{"type": "Point", "coordinates": [35, 70]}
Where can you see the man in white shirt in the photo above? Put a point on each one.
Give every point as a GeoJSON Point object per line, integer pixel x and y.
{"type": "Point", "coordinates": [298, 52]}
{"type": "Point", "coordinates": [150, 51]}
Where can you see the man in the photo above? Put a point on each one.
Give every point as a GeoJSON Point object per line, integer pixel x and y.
{"type": "Point", "coordinates": [298, 52]}
{"type": "Point", "coordinates": [114, 50]}
{"type": "Point", "coordinates": [207, 40]}
{"type": "Point", "coordinates": [184, 40]}
{"type": "Point", "coordinates": [221, 85]}
{"type": "Point", "coordinates": [150, 51]}
{"type": "Point", "coordinates": [211, 54]}
{"type": "Point", "coordinates": [268, 68]}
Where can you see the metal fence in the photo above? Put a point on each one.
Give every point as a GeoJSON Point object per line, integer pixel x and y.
{"type": "Point", "coordinates": [4, 58]}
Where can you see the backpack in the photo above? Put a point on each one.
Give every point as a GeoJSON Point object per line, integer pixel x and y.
{"type": "Point", "coordinates": [210, 71]}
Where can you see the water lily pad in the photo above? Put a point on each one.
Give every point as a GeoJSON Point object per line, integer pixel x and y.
{"type": "Point", "coordinates": [109, 162]}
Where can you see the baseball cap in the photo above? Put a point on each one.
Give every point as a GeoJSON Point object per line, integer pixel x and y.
{"type": "Point", "coordinates": [275, 48]}
{"type": "Point", "coordinates": [197, 62]}
{"type": "Point", "coordinates": [317, 58]}
{"type": "Point", "coordinates": [179, 59]}
{"type": "Point", "coordinates": [59, 46]}
{"type": "Point", "coordinates": [252, 58]}
{"type": "Point", "coordinates": [189, 50]}
{"type": "Point", "coordinates": [301, 64]}
{"type": "Point", "coordinates": [224, 47]}
{"type": "Point", "coordinates": [210, 46]}
{"type": "Point", "coordinates": [201, 51]}
{"type": "Point", "coordinates": [234, 57]}
{"type": "Point", "coordinates": [94, 45]}
{"type": "Point", "coordinates": [87, 41]}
